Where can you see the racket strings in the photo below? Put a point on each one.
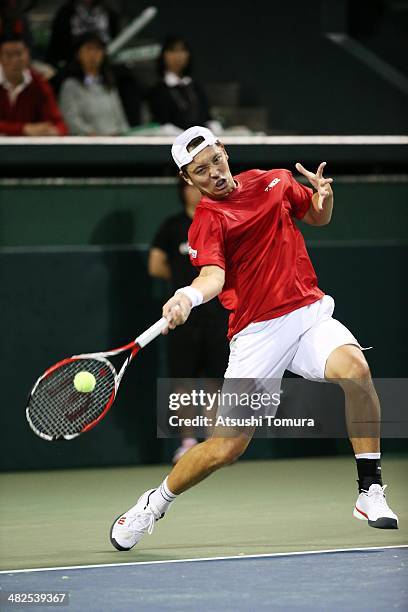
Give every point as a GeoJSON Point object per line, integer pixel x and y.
{"type": "Point", "coordinates": [56, 409]}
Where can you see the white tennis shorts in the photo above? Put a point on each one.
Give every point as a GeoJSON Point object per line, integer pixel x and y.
{"type": "Point", "coordinates": [300, 342]}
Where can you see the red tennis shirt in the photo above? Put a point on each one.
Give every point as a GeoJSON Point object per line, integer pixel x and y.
{"type": "Point", "coordinates": [251, 234]}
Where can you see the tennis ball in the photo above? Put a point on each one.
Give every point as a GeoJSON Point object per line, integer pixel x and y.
{"type": "Point", "coordinates": [84, 382]}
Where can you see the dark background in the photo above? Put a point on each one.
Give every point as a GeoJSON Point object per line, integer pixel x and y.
{"type": "Point", "coordinates": [73, 255]}
{"type": "Point", "coordinates": [281, 55]}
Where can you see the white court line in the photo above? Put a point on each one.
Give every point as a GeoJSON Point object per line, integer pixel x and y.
{"type": "Point", "coordinates": [262, 556]}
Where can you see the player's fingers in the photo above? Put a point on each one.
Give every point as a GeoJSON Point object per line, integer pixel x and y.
{"type": "Point", "coordinates": [303, 170]}
{"type": "Point", "coordinates": [319, 204]}
{"type": "Point", "coordinates": [179, 314]}
{"type": "Point", "coordinates": [172, 319]}
{"type": "Point", "coordinates": [177, 310]}
{"type": "Point", "coordinates": [169, 314]}
{"type": "Point", "coordinates": [319, 171]}
{"type": "Point", "coordinates": [166, 311]}
{"type": "Point", "coordinates": [326, 181]}
{"type": "Point", "coordinates": [175, 313]}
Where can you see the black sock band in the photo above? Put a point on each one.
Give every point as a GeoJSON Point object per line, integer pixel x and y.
{"type": "Point", "coordinates": [369, 472]}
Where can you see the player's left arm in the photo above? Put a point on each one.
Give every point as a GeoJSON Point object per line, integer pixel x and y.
{"type": "Point", "coordinates": [321, 206]}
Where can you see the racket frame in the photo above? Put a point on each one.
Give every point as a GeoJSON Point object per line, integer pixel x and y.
{"type": "Point", "coordinates": [134, 346]}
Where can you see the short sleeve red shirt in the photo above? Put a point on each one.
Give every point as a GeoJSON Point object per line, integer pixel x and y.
{"type": "Point", "coordinates": [251, 234]}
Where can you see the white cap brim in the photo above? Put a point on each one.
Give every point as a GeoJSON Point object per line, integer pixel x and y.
{"type": "Point", "coordinates": [181, 156]}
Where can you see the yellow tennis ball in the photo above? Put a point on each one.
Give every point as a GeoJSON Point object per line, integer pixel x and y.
{"type": "Point", "coordinates": [84, 382]}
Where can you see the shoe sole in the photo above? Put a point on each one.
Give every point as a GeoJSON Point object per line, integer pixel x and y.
{"type": "Point", "coordinates": [381, 523]}
{"type": "Point", "coordinates": [384, 523]}
{"type": "Point", "coordinates": [112, 539]}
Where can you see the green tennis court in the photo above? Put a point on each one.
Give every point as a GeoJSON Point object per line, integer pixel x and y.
{"type": "Point", "coordinates": [62, 518]}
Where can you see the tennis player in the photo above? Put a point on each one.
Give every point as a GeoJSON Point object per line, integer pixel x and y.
{"type": "Point", "coordinates": [251, 254]}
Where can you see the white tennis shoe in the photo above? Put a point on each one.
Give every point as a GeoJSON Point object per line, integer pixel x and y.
{"type": "Point", "coordinates": [130, 527]}
{"type": "Point", "coordinates": [371, 506]}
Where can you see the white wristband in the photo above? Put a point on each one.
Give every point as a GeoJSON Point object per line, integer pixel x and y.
{"type": "Point", "coordinates": [193, 294]}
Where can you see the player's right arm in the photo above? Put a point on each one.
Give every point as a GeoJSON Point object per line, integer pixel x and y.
{"type": "Point", "coordinates": [205, 287]}
{"type": "Point", "coordinates": [209, 282]}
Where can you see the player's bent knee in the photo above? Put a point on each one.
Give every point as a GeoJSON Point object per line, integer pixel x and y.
{"type": "Point", "coordinates": [358, 368]}
{"type": "Point", "coordinates": [347, 362]}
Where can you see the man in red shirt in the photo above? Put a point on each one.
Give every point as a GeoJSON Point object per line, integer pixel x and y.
{"type": "Point", "coordinates": [251, 254]}
{"type": "Point", "coordinates": [27, 103]}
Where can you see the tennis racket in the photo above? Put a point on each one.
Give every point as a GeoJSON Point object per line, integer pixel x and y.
{"type": "Point", "coordinates": [57, 411]}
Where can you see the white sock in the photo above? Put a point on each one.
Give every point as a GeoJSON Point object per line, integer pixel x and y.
{"type": "Point", "coordinates": [162, 498]}
{"type": "Point", "coordinates": [368, 456]}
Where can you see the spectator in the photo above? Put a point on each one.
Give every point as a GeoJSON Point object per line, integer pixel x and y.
{"type": "Point", "coordinates": [89, 99]}
{"type": "Point", "coordinates": [75, 18]}
{"type": "Point", "coordinates": [13, 18]}
{"type": "Point", "coordinates": [178, 99]}
{"type": "Point", "coordinates": [27, 103]}
{"type": "Point", "coordinates": [204, 341]}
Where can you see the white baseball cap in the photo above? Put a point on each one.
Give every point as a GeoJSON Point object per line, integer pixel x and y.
{"type": "Point", "coordinates": [179, 149]}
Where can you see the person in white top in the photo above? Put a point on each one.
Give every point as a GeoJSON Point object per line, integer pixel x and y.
{"type": "Point", "coordinates": [88, 99]}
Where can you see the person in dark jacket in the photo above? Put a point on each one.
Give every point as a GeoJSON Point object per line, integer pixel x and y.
{"type": "Point", "coordinates": [177, 98]}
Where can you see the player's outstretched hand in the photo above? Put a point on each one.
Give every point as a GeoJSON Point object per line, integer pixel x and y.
{"type": "Point", "coordinates": [321, 184]}
{"type": "Point", "coordinates": [176, 310]}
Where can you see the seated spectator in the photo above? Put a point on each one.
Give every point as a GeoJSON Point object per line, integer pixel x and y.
{"type": "Point", "coordinates": [88, 98]}
{"type": "Point", "coordinates": [78, 17]}
{"type": "Point", "coordinates": [14, 18]}
{"type": "Point", "coordinates": [177, 98]}
{"type": "Point", "coordinates": [27, 103]}
{"type": "Point", "coordinates": [75, 18]}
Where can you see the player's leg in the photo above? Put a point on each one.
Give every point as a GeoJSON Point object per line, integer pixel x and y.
{"type": "Point", "coordinates": [347, 366]}
{"type": "Point", "coordinates": [198, 463]}
{"type": "Point", "coordinates": [204, 459]}
{"type": "Point", "coordinates": [263, 350]}
{"type": "Point", "coordinates": [329, 351]}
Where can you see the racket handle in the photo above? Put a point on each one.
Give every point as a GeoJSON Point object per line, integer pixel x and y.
{"type": "Point", "coordinates": [152, 333]}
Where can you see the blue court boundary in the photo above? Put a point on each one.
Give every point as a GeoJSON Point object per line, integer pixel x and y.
{"type": "Point", "coordinates": [363, 579]}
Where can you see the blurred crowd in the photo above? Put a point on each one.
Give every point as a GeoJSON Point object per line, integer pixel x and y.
{"type": "Point", "coordinates": [75, 89]}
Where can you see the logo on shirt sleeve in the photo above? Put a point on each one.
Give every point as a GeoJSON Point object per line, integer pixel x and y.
{"type": "Point", "coordinates": [192, 252]}
{"type": "Point", "coordinates": [272, 184]}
